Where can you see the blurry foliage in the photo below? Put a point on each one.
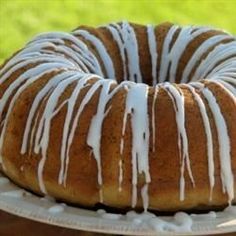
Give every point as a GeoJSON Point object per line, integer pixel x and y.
{"type": "Point", "coordinates": [20, 20]}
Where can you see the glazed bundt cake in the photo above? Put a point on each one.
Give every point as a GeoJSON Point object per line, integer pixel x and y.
{"type": "Point", "coordinates": [125, 115]}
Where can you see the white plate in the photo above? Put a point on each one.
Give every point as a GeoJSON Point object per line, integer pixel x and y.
{"type": "Point", "coordinates": [19, 202]}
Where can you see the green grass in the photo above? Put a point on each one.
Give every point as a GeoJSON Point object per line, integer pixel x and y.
{"type": "Point", "coordinates": [20, 20]}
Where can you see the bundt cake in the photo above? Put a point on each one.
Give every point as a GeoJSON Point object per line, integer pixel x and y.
{"type": "Point", "coordinates": [124, 115]}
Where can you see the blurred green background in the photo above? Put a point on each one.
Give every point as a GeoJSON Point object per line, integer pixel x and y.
{"type": "Point", "coordinates": [22, 19]}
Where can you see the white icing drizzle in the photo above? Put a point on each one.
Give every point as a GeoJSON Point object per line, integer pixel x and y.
{"type": "Point", "coordinates": [230, 90]}
{"type": "Point", "coordinates": [83, 103]}
{"type": "Point", "coordinates": [72, 61]}
{"type": "Point", "coordinates": [227, 177]}
{"type": "Point", "coordinates": [80, 49]}
{"type": "Point", "coordinates": [227, 85]}
{"type": "Point", "coordinates": [222, 66]}
{"type": "Point", "coordinates": [220, 52]}
{"type": "Point", "coordinates": [33, 130]}
{"type": "Point", "coordinates": [95, 129]}
{"type": "Point", "coordinates": [27, 79]}
{"type": "Point", "coordinates": [208, 133]}
{"type": "Point", "coordinates": [204, 47]}
{"type": "Point", "coordinates": [43, 131]}
{"type": "Point", "coordinates": [40, 96]}
{"type": "Point", "coordinates": [136, 106]}
{"type": "Point", "coordinates": [164, 56]}
{"type": "Point", "coordinates": [130, 46]}
{"type": "Point", "coordinates": [156, 89]}
{"type": "Point", "coordinates": [152, 43]}
{"type": "Point", "coordinates": [185, 36]}
{"type": "Point", "coordinates": [101, 50]}
{"type": "Point", "coordinates": [117, 37]}
{"type": "Point", "coordinates": [41, 69]}
{"type": "Point", "coordinates": [121, 145]}
{"type": "Point", "coordinates": [170, 57]}
{"type": "Point", "coordinates": [145, 197]}
{"type": "Point", "coordinates": [70, 110]}
{"type": "Point", "coordinates": [177, 98]}
{"type": "Point", "coordinates": [120, 175]}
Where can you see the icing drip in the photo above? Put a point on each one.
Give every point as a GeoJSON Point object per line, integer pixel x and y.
{"type": "Point", "coordinates": [208, 133]}
{"type": "Point", "coordinates": [38, 99]}
{"type": "Point", "coordinates": [101, 50]}
{"type": "Point", "coordinates": [70, 110]}
{"type": "Point", "coordinates": [230, 90]}
{"type": "Point", "coordinates": [222, 66]}
{"type": "Point", "coordinates": [127, 36]}
{"type": "Point", "coordinates": [113, 28]}
{"type": "Point", "coordinates": [35, 72]}
{"type": "Point", "coordinates": [136, 107]}
{"type": "Point", "coordinates": [171, 56]}
{"type": "Point", "coordinates": [144, 194]}
{"type": "Point", "coordinates": [43, 131]}
{"type": "Point", "coordinates": [31, 142]}
{"type": "Point", "coordinates": [164, 56]}
{"type": "Point", "coordinates": [45, 61]}
{"type": "Point", "coordinates": [177, 98]}
{"type": "Point", "coordinates": [205, 46]}
{"type": "Point", "coordinates": [120, 175]}
{"type": "Point", "coordinates": [121, 164]}
{"type": "Point", "coordinates": [95, 129]}
{"type": "Point", "coordinates": [227, 177]}
{"type": "Point", "coordinates": [221, 52]}
{"type": "Point", "coordinates": [22, 82]}
{"type": "Point", "coordinates": [153, 52]}
{"type": "Point", "coordinates": [184, 37]}
{"type": "Point", "coordinates": [227, 86]}
{"type": "Point", "coordinates": [83, 103]}
{"type": "Point", "coordinates": [154, 119]}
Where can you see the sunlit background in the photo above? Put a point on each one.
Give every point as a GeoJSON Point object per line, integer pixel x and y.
{"type": "Point", "coordinates": [20, 20]}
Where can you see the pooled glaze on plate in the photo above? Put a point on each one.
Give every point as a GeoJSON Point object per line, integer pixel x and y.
{"type": "Point", "coordinates": [48, 211]}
